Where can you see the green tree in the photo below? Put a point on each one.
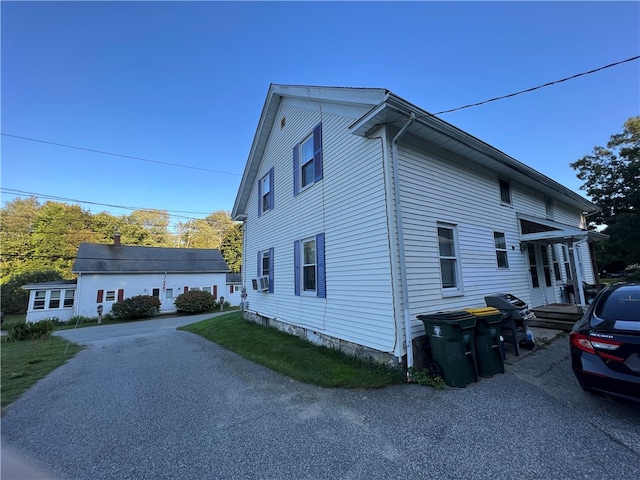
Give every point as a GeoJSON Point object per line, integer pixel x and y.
{"type": "Point", "coordinates": [208, 232]}
{"type": "Point", "coordinates": [15, 234]}
{"type": "Point", "coordinates": [148, 228]}
{"type": "Point", "coordinates": [231, 248]}
{"type": "Point", "coordinates": [612, 180]}
{"type": "Point", "coordinates": [58, 229]}
{"type": "Point", "coordinates": [15, 299]}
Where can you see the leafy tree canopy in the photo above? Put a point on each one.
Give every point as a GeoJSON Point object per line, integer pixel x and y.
{"type": "Point", "coordinates": [612, 179]}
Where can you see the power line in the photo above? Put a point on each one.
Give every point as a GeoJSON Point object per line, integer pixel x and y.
{"type": "Point", "coordinates": [548, 84]}
{"type": "Point", "coordinates": [102, 152]}
{"type": "Point", "coordinates": [64, 199]}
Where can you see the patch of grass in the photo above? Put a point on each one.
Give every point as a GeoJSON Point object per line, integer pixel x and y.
{"type": "Point", "coordinates": [424, 378]}
{"type": "Point", "coordinates": [293, 356]}
{"type": "Point", "coordinates": [12, 319]}
{"type": "Point", "coordinates": [26, 362]}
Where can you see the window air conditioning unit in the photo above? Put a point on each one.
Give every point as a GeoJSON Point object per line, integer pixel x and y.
{"type": "Point", "coordinates": [261, 283]}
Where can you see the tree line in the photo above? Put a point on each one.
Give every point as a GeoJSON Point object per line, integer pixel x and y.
{"type": "Point", "coordinates": [38, 236]}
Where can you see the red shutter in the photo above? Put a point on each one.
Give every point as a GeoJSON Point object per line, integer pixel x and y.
{"type": "Point", "coordinates": [215, 291]}
{"type": "Point", "coordinates": [100, 296]}
{"type": "Point", "coordinates": [120, 295]}
{"type": "Point", "coordinates": [186, 289]}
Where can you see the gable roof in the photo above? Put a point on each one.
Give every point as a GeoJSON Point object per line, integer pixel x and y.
{"type": "Point", "coordinates": [103, 258]}
{"type": "Point", "coordinates": [233, 278]}
{"type": "Point", "coordinates": [358, 97]}
{"type": "Point", "coordinates": [387, 108]}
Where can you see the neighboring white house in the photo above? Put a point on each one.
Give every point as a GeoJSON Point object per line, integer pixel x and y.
{"type": "Point", "coordinates": [111, 273]}
{"type": "Point", "coordinates": [362, 211]}
{"type": "Point", "coordinates": [234, 289]}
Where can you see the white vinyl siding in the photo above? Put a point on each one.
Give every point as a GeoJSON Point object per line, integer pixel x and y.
{"type": "Point", "coordinates": [348, 206]}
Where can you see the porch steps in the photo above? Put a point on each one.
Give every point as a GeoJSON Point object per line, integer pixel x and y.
{"type": "Point", "coordinates": [561, 316]}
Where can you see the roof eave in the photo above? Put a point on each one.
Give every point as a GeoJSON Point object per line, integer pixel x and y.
{"type": "Point", "coordinates": [395, 110]}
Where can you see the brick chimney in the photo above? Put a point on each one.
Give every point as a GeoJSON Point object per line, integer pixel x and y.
{"type": "Point", "coordinates": [116, 239]}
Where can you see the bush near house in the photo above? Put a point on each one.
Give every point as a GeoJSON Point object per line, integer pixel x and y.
{"type": "Point", "coordinates": [141, 306]}
{"type": "Point", "coordinates": [31, 331]}
{"type": "Point", "coordinates": [195, 301]}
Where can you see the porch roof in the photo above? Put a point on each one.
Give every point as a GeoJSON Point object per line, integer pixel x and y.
{"type": "Point", "coordinates": [536, 228]}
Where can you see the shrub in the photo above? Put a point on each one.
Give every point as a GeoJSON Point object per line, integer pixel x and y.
{"type": "Point", "coordinates": [195, 301]}
{"type": "Point", "coordinates": [30, 331]}
{"type": "Point", "coordinates": [141, 306]}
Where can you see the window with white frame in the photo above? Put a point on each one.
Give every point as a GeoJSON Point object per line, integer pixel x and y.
{"type": "Point", "coordinates": [69, 296]}
{"type": "Point", "coordinates": [168, 293]}
{"type": "Point", "coordinates": [501, 249]}
{"type": "Point", "coordinates": [54, 299]}
{"type": "Point", "coordinates": [265, 192]}
{"type": "Point", "coordinates": [307, 161]}
{"type": "Point", "coordinates": [265, 266]}
{"type": "Point", "coordinates": [449, 261]}
{"type": "Point", "coordinates": [505, 192]}
{"type": "Point", "coordinates": [206, 289]}
{"type": "Point", "coordinates": [39, 299]}
{"type": "Point", "coordinates": [309, 266]}
{"type": "Point", "coordinates": [110, 296]}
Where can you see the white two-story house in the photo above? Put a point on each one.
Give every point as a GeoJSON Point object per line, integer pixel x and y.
{"type": "Point", "coordinates": [362, 211]}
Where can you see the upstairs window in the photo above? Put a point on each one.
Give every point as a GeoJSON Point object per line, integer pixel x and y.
{"type": "Point", "coordinates": [548, 207]}
{"type": "Point", "coordinates": [265, 193]}
{"type": "Point", "coordinates": [307, 161]}
{"type": "Point", "coordinates": [501, 249]}
{"type": "Point", "coordinates": [505, 192]}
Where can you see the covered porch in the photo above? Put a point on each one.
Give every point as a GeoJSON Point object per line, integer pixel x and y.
{"type": "Point", "coordinates": [559, 278]}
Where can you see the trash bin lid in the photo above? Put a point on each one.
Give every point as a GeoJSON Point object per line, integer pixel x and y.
{"type": "Point", "coordinates": [483, 311]}
{"type": "Point", "coordinates": [459, 317]}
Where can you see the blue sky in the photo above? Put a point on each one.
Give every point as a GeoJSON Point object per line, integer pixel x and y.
{"type": "Point", "coordinates": [184, 83]}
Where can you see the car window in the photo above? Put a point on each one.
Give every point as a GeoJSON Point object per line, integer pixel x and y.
{"type": "Point", "coordinates": [618, 309]}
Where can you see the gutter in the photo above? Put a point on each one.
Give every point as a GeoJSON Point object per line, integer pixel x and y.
{"type": "Point", "coordinates": [402, 265]}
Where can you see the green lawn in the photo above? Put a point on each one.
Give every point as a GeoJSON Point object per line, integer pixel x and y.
{"type": "Point", "coordinates": [293, 356]}
{"type": "Point", "coordinates": [24, 363]}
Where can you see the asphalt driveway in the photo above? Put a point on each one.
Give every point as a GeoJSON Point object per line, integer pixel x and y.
{"type": "Point", "coordinates": [167, 404]}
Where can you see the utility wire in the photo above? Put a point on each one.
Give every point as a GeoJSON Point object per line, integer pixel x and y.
{"type": "Point", "coordinates": [119, 155]}
{"type": "Point", "coordinates": [53, 197]}
{"type": "Point", "coordinates": [555, 82]}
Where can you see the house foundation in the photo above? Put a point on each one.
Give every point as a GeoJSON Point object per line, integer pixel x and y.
{"type": "Point", "coordinates": [348, 348]}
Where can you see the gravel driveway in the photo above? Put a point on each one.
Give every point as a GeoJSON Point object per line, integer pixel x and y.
{"type": "Point", "coordinates": [168, 404]}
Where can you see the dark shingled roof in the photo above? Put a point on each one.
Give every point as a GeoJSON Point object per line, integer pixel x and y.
{"type": "Point", "coordinates": [103, 258]}
{"type": "Point", "coordinates": [234, 278]}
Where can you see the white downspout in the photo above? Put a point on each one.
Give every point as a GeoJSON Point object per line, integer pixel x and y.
{"type": "Point", "coordinates": [403, 267]}
{"type": "Point", "coordinates": [576, 265]}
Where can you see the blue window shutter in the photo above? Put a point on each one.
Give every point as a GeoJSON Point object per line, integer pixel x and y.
{"type": "Point", "coordinates": [296, 170]}
{"type": "Point", "coordinates": [259, 196]}
{"type": "Point", "coordinates": [271, 186]}
{"type": "Point", "coordinates": [321, 289]}
{"type": "Point", "coordinates": [271, 269]}
{"type": "Point", "coordinates": [259, 269]}
{"type": "Point", "coordinates": [317, 152]}
{"type": "Point", "coordinates": [296, 266]}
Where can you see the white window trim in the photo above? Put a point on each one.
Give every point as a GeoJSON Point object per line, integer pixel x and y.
{"type": "Point", "coordinates": [314, 292]}
{"type": "Point", "coordinates": [303, 163]}
{"type": "Point", "coordinates": [106, 295]}
{"type": "Point", "coordinates": [505, 250]}
{"type": "Point", "coordinates": [266, 193]}
{"type": "Point", "coordinates": [458, 290]}
{"type": "Point", "coordinates": [264, 254]}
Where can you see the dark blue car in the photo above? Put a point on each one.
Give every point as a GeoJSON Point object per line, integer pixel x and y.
{"type": "Point", "coordinates": [605, 344]}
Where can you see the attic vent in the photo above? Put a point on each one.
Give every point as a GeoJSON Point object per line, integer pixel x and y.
{"type": "Point", "coordinates": [283, 121]}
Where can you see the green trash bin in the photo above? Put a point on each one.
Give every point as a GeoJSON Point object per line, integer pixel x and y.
{"type": "Point", "coordinates": [487, 340]}
{"type": "Point", "coordinates": [451, 346]}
